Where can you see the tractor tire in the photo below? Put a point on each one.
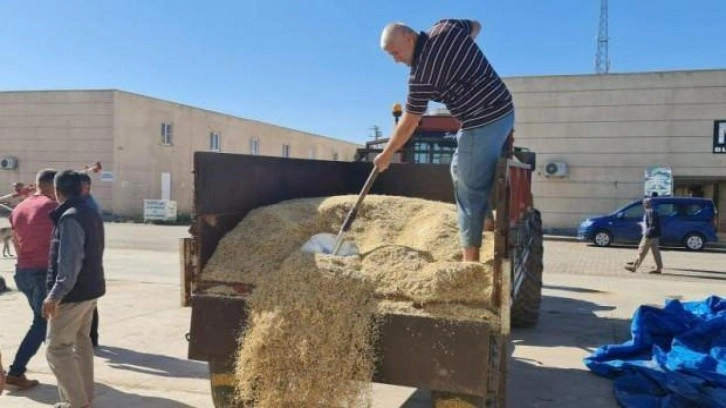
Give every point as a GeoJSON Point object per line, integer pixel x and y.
{"type": "Point", "coordinates": [221, 379]}
{"type": "Point", "coordinates": [525, 306]}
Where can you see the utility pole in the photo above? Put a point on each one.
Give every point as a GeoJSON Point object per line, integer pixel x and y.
{"type": "Point", "coordinates": [602, 59]}
{"type": "Point", "coordinates": [376, 132]}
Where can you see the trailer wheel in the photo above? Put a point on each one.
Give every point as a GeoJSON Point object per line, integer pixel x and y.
{"type": "Point", "coordinates": [221, 378]}
{"type": "Point", "coordinates": [525, 307]}
{"type": "Point", "coordinates": [441, 399]}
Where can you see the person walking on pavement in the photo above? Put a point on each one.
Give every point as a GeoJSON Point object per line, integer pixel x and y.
{"type": "Point", "coordinates": [75, 281]}
{"type": "Point", "coordinates": [31, 228]}
{"type": "Point", "coordinates": [651, 239]}
{"type": "Point", "coordinates": [91, 201]}
{"type": "Point", "coordinates": [447, 66]}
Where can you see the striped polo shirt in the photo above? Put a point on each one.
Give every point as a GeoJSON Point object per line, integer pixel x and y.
{"type": "Point", "coordinates": [448, 67]}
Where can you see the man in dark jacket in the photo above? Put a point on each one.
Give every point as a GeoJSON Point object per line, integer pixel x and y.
{"type": "Point", "coordinates": [75, 281]}
{"type": "Point", "coordinates": [91, 201]}
{"type": "Point", "coordinates": [650, 240]}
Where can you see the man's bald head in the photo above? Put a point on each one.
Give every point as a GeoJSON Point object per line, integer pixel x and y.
{"type": "Point", "coordinates": [399, 40]}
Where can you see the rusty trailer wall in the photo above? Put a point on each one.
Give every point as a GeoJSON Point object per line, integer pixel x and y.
{"type": "Point", "coordinates": [228, 186]}
{"type": "Point", "coordinates": [464, 358]}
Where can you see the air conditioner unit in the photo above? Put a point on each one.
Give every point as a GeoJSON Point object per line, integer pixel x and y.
{"type": "Point", "coordinates": [8, 163]}
{"type": "Point", "coordinates": [555, 169]}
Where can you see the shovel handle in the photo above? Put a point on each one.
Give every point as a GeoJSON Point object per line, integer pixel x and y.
{"type": "Point", "coordinates": [354, 211]}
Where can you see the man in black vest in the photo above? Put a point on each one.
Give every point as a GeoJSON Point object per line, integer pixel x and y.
{"type": "Point", "coordinates": [75, 281]}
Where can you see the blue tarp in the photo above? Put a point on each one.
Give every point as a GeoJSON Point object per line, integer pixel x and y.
{"type": "Point", "coordinates": [676, 357]}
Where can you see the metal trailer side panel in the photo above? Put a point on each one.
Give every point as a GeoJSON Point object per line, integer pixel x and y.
{"type": "Point", "coordinates": [466, 357]}
{"type": "Point", "coordinates": [228, 186]}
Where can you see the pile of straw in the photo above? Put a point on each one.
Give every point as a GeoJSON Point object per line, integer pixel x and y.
{"type": "Point", "coordinates": [312, 317]}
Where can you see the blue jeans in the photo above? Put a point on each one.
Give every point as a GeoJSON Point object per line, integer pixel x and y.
{"type": "Point", "coordinates": [32, 283]}
{"type": "Point", "coordinates": [473, 168]}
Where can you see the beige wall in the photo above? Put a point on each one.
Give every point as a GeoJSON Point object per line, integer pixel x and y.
{"type": "Point", "coordinates": [69, 129]}
{"type": "Point", "coordinates": [141, 158]}
{"type": "Point", "coordinates": [722, 203]}
{"type": "Point", "coordinates": [61, 130]}
{"type": "Point", "coordinates": [610, 128]}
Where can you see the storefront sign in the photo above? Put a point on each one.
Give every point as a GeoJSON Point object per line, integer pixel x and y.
{"type": "Point", "coordinates": [658, 180]}
{"type": "Point", "coordinates": [719, 136]}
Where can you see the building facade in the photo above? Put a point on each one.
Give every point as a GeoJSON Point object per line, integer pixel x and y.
{"type": "Point", "coordinates": [145, 145]}
{"type": "Point", "coordinates": [600, 133]}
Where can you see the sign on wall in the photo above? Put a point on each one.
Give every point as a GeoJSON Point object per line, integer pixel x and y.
{"type": "Point", "coordinates": [658, 180]}
{"type": "Point", "coordinates": [106, 176]}
{"type": "Point", "coordinates": [719, 136]}
{"type": "Point", "coordinates": [160, 210]}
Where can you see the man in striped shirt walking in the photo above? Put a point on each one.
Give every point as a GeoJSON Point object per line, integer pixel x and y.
{"type": "Point", "coordinates": [448, 67]}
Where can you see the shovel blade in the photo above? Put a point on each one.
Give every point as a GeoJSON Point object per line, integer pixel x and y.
{"type": "Point", "coordinates": [324, 243]}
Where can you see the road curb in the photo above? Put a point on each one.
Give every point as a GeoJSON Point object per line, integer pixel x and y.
{"type": "Point", "coordinates": [560, 238]}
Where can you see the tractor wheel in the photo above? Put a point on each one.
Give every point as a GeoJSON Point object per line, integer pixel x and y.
{"type": "Point", "coordinates": [525, 307]}
{"type": "Point", "coordinates": [221, 378]}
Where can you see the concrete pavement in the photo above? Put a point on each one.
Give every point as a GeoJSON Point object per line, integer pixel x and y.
{"type": "Point", "coordinates": [142, 362]}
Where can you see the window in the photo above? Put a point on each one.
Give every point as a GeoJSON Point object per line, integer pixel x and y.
{"type": "Point", "coordinates": [285, 150]}
{"type": "Point", "coordinates": [421, 153]}
{"type": "Point", "coordinates": [635, 211]}
{"type": "Point", "coordinates": [690, 210]}
{"type": "Point", "coordinates": [214, 141]}
{"type": "Point", "coordinates": [254, 146]}
{"type": "Point", "coordinates": [167, 132]}
{"type": "Point", "coordinates": [311, 153]}
{"type": "Point", "coordinates": [666, 209]}
{"type": "Point", "coordinates": [442, 153]}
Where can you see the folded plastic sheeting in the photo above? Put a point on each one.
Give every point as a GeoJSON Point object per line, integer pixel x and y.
{"type": "Point", "coordinates": [675, 358]}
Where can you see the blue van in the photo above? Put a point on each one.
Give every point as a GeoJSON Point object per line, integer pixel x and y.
{"type": "Point", "coordinates": [689, 222]}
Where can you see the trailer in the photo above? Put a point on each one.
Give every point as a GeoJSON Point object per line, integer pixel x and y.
{"type": "Point", "coordinates": [462, 363]}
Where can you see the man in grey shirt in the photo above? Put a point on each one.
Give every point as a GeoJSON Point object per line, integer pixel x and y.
{"type": "Point", "coordinates": [75, 281]}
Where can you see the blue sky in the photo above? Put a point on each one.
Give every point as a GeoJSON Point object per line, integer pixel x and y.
{"type": "Point", "coordinates": [316, 65]}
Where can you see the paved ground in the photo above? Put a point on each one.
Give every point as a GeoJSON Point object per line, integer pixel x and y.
{"type": "Point", "coordinates": [574, 257]}
{"type": "Point", "coordinates": [588, 299]}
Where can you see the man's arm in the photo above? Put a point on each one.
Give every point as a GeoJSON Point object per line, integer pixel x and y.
{"type": "Point", "coordinates": [403, 132]}
{"type": "Point", "coordinates": [656, 220]}
{"type": "Point", "coordinates": [70, 258]}
{"type": "Point", "coordinates": [654, 224]}
{"type": "Point", "coordinates": [16, 242]}
{"type": "Point", "coordinates": [12, 218]}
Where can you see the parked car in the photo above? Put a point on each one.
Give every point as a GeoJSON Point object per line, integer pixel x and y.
{"type": "Point", "coordinates": [689, 222]}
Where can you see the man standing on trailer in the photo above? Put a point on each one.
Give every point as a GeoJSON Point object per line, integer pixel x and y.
{"type": "Point", "coordinates": [448, 67]}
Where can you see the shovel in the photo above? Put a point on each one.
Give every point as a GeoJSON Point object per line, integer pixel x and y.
{"type": "Point", "coordinates": [327, 243]}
